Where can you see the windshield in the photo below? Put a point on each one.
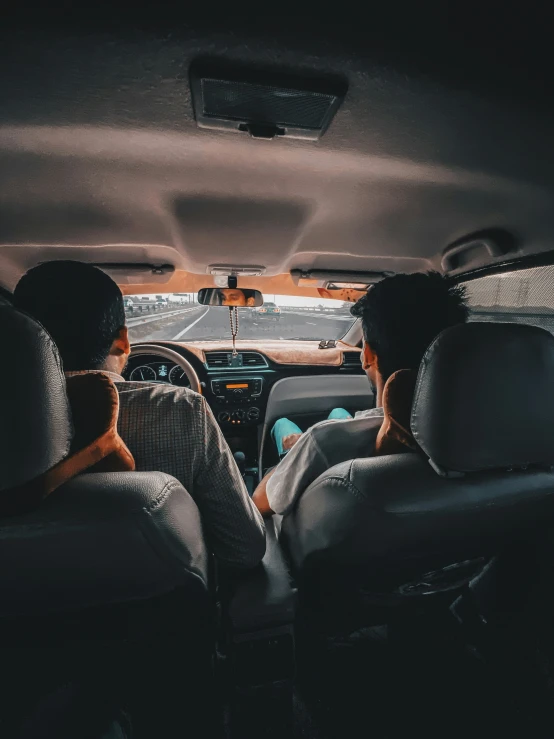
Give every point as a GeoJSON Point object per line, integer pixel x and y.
{"type": "Point", "coordinates": [179, 317]}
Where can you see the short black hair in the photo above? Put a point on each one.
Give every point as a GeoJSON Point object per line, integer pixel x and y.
{"type": "Point", "coordinates": [402, 314]}
{"type": "Point", "coordinates": [80, 307]}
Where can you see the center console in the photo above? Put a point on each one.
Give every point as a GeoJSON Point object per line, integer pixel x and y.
{"type": "Point", "coordinates": [238, 399]}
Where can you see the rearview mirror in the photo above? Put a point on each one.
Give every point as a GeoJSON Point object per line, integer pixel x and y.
{"type": "Point", "coordinates": [230, 296]}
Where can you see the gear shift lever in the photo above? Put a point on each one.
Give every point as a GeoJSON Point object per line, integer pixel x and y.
{"type": "Point", "coordinates": [240, 459]}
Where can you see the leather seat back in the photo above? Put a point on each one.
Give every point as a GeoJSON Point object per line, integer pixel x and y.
{"type": "Point", "coordinates": [482, 478]}
{"type": "Point", "coordinates": [108, 576]}
{"type": "Point", "coordinates": [103, 539]}
{"type": "Point", "coordinates": [100, 539]}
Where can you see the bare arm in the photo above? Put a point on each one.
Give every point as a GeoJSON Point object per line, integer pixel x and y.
{"type": "Point", "coordinates": [260, 496]}
{"type": "Point", "coordinates": [285, 482]}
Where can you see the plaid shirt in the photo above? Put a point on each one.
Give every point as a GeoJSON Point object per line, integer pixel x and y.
{"type": "Point", "coordinates": [171, 429]}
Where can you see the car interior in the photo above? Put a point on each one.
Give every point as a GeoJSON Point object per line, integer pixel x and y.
{"type": "Point", "coordinates": [245, 180]}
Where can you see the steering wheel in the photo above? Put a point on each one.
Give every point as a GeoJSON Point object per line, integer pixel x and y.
{"type": "Point", "coordinates": [139, 350]}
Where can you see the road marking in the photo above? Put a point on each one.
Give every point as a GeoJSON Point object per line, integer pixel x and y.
{"type": "Point", "coordinates": [184, 331]}
{"type": "Point", "coordinates": [148, 319]}
{"type": "Point", "coordinates": [309, 323]}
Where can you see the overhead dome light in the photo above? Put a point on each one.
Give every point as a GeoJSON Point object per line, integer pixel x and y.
{"type": "Point", "coordinates": [263, 104]}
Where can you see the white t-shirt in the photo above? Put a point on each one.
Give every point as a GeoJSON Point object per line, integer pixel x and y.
{"type": "Point", "coordinates": [323, 446]}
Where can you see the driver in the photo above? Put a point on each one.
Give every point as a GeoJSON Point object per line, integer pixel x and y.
{"type": "Point", "coordinates": [167, 429]}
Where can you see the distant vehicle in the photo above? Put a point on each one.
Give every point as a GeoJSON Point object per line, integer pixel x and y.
{"type": "Point", "coordinates": [270, 311]}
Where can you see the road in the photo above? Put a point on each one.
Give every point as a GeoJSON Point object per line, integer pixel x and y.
{"type": "Point", "coordinates": [200, 322]}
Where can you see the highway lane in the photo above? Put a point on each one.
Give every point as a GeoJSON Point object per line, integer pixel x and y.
{"type": "Point", "coordinates": [140, 319]}
{"type": "Point", "coordinates": [213, 323]}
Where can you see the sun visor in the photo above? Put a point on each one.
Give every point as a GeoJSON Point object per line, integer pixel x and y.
{"type": "Point", "coordinates": [137, 274]}
{"type": "Point", "coordinates": [336, 280]}
{"type": "Point", "coordinates": [337, 285]}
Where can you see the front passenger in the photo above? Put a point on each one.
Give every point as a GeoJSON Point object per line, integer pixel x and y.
{"type": "Point", "coordinates": [401, 315]}
{"type": "Point", "coordinates": [167, 429]}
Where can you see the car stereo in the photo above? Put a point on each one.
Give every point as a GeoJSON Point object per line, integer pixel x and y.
{"type": "Point", "coordinates": [237, 389]}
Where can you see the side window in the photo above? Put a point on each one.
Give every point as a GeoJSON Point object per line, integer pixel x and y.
{"type": "Point", "coordinates": [523, 296]}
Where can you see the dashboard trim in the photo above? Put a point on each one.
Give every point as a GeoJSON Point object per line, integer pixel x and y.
{"type": "Point", "coordinates": [289, 353]}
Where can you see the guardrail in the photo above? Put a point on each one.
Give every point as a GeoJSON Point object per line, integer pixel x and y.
{"type": "Point", "coordinates": [143, 307]}
{"type": "Point", "coordinates": [304, 309]}
{"type": "Point", "coordinates": [139, 309]}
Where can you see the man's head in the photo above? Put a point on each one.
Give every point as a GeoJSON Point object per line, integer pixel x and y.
{"type": "Point", "coordinates": [232, 296]}
{"type": "Point", "coordinates": [401, 315]}
{"type": "Point", "coordinates": [82, 309]}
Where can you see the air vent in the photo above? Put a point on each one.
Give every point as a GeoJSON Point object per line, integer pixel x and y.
{"type": "Point", "coordinates": [218, 359]}
{"type": "Point", "coordinates": [253, 359]}
{"type": "Point", "coordinates": [351, 360]}
{"type": "Point", "coordinates": [243, 359]}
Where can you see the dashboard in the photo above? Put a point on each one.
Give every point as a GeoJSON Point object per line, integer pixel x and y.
{"type": "Point", "coordinates": [236, 394]}
{"type": "Point", "coordinates": [237, 387]}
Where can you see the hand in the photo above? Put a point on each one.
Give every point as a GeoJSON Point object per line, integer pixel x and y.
{"type": "Point", "coordinates": [290, 440]}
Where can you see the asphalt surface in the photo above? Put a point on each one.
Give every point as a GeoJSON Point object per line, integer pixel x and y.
{"type": "Point", "coordinates": [200, 322]}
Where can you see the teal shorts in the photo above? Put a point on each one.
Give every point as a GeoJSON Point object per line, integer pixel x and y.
{"type": "Point", "coordinates": [284, 427]}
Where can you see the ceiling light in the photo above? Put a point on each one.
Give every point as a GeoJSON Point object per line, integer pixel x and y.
{"type": "Point", "coordinates": [264, 104]}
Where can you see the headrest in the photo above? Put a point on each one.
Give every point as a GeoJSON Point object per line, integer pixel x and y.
{"type": "Point", "coordinates": [35, 422]}
{"type": "Point", "coordinates": [484, 398]}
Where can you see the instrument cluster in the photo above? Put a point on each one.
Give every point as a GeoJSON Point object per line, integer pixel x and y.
{"type": "Point", "coordinates": [159, 372]}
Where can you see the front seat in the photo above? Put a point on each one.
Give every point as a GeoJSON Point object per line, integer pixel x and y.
{"type": "Point", "coordinates": [373, 536]}
{"type": "Point", "coordinates": [106, 581]}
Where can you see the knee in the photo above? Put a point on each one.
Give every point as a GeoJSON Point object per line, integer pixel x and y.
{"type": "Point", "coordinates": [280, 426]}
{"type": "Point", "coordinates": [338, 413]}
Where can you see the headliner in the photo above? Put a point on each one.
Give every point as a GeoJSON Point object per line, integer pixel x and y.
{"type": "Point", "coordinates": [98, 148]}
